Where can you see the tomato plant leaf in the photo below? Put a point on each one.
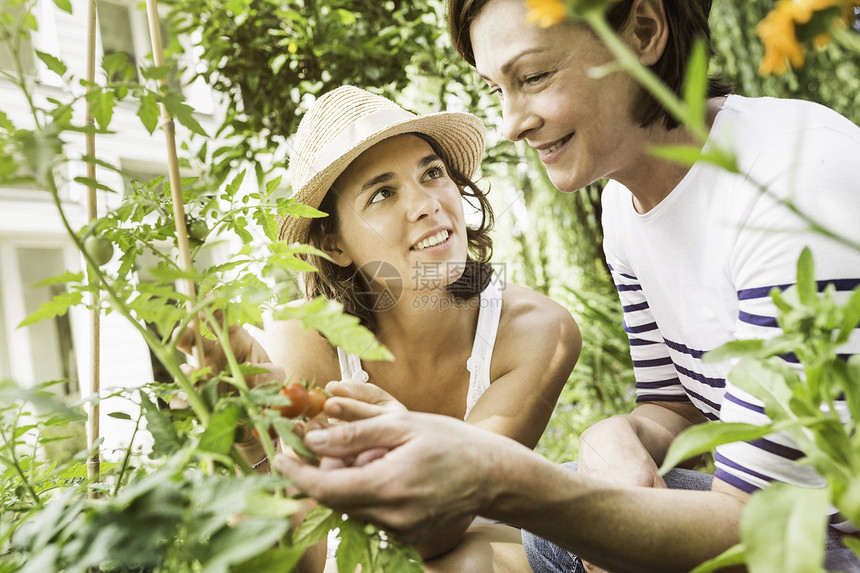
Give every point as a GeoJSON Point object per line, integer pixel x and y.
{"type": "Point", "coordinates": [734, 555]}
{"type": "Point", "coordinates": [64, 5]}
{"type": "Point", "coordinates": [220, 432]}
{"type": "Point", "coordinates": [316, 525]}
{"type": "Point", "coordinates": [234, 545]}
{"type": "Point", "coordinates": [54, 63]}
{"type": "Point", "coordinates": [147, 111]}
{"type": "Point", "coordinates": [165, 438]}
{"type": "Point", "coordinates": [705, 437]}
{"type": "Point", "coordinates": [273, 561]}
{"type": "Point", "coordinates": [353, 548]}
{"type": "Point", "coordinates": [341, 329]}
{"type": "Point", "coordinates": [57, 306]}
{"type": "Point", "coordinates": [182, 112]}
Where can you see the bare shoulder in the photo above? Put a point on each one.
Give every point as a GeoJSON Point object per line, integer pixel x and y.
{"type": "Point", "coordinates": [535, 328]}
{"type": "Point", "coordinates": [302, 353]}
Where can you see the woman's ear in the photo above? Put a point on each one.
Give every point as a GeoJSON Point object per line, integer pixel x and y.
{"type": "Point", "coordinates": [330, 245]}
{"type": "Point", "coordinates": [647, 31]}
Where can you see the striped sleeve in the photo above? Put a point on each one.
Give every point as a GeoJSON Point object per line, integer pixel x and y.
{"type": "Point", "coordinates": [821, 184]}
{"type": "Point", "coordinates": [656, 378]}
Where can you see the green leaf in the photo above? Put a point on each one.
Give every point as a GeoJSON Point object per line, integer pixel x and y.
{"type": "Point", "coordinates": [690, 154]}
{"type": "Point", "coordinates": [297, 210]}
{"type": "Point", "coordinates": [182, 112]}
{"type": "Point", "coordinates": [164, 436]}
{"type": "Point", "coordinates": [705, 437]}
{"type": "Point", "coordinates": [263, 504]}
{"type": "Point", "coordinates": [54, 64]}
{"type": "Point", "coordinates": [315, 527]}
{"type": "Point", "coordinates": [696, 84]}
{"type": "Point", "coordinates": [767, 382]}
{"type": "Point", "coordinates": [850, 317]}
{"type": "Point", "coordinates": [57, 306]}
{"type": "Point", "coordinates": [64, 5]}
{"type": "Point", "coordinates": [734, 555]}
{"type": "Point", "coordinates": [66, 277]}
{"type": "Point", "coordinates": [783, 528]}
{"type": "Point", "coordinates": [353, 548]}
{"type": "Point", "coordinates": [101, 105]}
{"type": "Point", "coordinates": [161, 72]}
{"type": "Point", "coordinates": [272, 561]}
{"type": "Point", "coordinates": [246, 540]}
{"type": "Point", "coordinates": [119, 415]}
{"type": "Point", "coordinates": [220, 432]}
{"type": "Point", "coordinates": [284, 428]}
{"type": "Point", "coordinates": [341, 329]}
{"type": "Point", "coordinates": [807, 289]}
{"type": "Point", "coordinates": [147, 111]}
{"type": "Point", "coordinates": [92, 183]}
{"type": "Point", "coordinates": [734, 349]}
{"type": "Point", "coordinates": [852, 544]}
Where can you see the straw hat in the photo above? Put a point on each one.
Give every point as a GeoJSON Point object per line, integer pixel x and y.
{"type": "Point", "coordinates": [347, 121]}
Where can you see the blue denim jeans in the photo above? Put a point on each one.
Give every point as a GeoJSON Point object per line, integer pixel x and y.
{"type": "Point", "coordinates": [546, 557]}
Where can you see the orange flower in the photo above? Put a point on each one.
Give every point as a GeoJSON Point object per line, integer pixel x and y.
{"type": "Point", "coordinates": [780, 43]}
{"type": "Point", "coordinates": [545, 13]}
{"type": "Point", "coordinates": [808, 19]}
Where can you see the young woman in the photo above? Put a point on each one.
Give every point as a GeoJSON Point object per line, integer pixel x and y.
{"type": "Point", "coordinates": [404, 260]}
{"type": "Point", "coordinates": [694, 252]}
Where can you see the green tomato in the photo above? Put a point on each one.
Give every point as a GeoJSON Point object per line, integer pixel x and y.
{"type": "Point", "coordinates": [198, 229]}
{"type": "Point", "coordinates": [99, 249]}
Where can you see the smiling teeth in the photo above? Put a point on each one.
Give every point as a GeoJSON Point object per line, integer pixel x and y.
{"type": "Point", "coordinates": [439, 237]}
{"type": "Point", "coordinates": [557, 145]}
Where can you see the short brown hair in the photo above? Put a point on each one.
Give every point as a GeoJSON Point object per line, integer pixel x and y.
{"type": "Point", "coordinates": [347, 286]}
{"type": "Point", "coordinates": [687, 21]}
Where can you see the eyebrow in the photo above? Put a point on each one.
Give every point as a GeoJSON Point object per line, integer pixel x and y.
{"type": "Point", "coordinates": [385, 177]}
{"type": "Point", "coordinates": [506, 67]}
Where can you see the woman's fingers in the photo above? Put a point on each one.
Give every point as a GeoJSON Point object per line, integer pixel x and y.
{"type": "Point", "coordinates": [349, 410]}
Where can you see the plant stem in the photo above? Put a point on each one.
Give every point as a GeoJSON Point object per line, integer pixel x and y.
{"type": "Point", "coordinates": [167, 359]}
{"type": "Point", "coordinates": [649, 80]}
{"type": "Point", "coordinates": [18, 469]}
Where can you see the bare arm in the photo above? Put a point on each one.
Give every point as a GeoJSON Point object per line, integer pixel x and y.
{"type": "Point", "coordinates": [620, 528]}
{"type": "Point", "coordinates": [627, 449]}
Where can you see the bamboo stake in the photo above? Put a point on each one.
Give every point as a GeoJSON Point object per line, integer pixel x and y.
{"type": "Point", "coordinates": [174, 178]}
{"type": "Point", "coordinates": [94, 461]}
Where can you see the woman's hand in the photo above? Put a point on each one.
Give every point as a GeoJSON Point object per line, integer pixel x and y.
{"type": "Point", "coordinates": [356, 401]}
{"type": "Point", "coordinates": [245, 349]}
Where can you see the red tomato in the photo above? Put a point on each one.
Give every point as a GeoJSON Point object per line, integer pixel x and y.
{"type": "Point", "coordinates": [317, 398]}
{"type": "Point", "coordinates": [299, 400]}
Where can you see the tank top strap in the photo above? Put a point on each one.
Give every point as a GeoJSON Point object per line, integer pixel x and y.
{"type": "Point", "coordinates": [350, 366]}
{"type": "Point", "coordinates": [489, 313]}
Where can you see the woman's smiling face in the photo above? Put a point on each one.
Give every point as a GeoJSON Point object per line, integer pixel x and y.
{"type": "Point", "coordinates": [397, 204]}
{"type": "Point", "coordinates": [581, 126]}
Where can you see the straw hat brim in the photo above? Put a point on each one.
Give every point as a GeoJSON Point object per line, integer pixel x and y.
{"type": "Point", "coordinates": [461, 141]}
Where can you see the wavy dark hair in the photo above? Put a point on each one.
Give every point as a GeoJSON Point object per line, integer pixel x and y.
{"type": "Point", "coordinates": [687, 21]}
{"type": "Point", "coordinates": [349, 287]}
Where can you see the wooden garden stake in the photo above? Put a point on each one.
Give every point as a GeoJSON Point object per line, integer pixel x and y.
{"type": "Point", "coordinates": [94, 461]}
{"type": "Point", "coordinates": [174, 178]}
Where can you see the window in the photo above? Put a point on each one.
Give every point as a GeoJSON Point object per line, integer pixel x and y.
{"type": "Point", "coordinates": [125, 29]}
{"type": "Point", "coordinates": [44, 351]}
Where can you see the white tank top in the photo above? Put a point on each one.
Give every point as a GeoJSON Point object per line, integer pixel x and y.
{"type": "Point", "coordinates": [478, 364]}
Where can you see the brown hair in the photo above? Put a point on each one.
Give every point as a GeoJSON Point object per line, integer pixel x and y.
{"type": "Point", "coordinates": [687, 21]}
{"type": "Point", "coordinates": [349, 287]}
